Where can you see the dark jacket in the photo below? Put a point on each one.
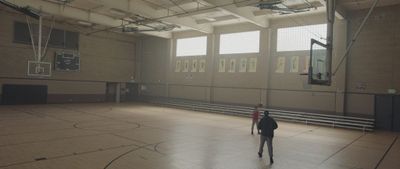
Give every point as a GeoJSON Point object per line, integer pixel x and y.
{"type": "Point", "coordinates": [267, 125]}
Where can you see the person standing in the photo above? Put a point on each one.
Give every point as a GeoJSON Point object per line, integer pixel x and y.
{"type": "Point", "coordinates": [267, 125]}
{"type": "Point", "coordinates": [255, 117]}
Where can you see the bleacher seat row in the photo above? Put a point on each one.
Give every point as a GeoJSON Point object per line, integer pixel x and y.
{"type": "Point", "coordinates": [364, 124]}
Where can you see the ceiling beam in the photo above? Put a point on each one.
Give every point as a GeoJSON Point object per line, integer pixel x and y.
{"type": "Point", "coordinates": [142, 8]}
{"type": "Point", "coordinates": [243, 12]}
{"type": "Point", "coordinates": [199, 12]}
{"type": "Point", "coordinates": [77, 14]}
{"type": "Point", "coordinates": [241, 3]}
{"type": "Point", "coordinates": [216, 19]}
{"type": "Point", "coordinates": [180, 2]}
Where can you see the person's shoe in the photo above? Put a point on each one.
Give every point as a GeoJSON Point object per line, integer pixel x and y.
{"type": "Point", "coordinates": [271, 160]}
{"type": "Point", "coordinates": [252, 133]}
{"type": "Point", "coordinates": [259, 155]}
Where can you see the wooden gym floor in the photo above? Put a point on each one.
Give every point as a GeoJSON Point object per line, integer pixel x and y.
{"type": "Point", "coordinates": [142, 136]}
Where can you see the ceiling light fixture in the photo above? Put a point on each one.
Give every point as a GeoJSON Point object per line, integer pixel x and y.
{"type": "Point", "coordinates": [117, 12]}
{"type": "Point", "coordinates": [210, 19]}
{"type": "Point", "coordinates": [64, 1]}
{"type": "Point", "coordinates": [84, 23]}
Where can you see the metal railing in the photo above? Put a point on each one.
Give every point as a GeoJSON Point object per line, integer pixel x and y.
{"type": "Point", "coordinates": [364, 124]}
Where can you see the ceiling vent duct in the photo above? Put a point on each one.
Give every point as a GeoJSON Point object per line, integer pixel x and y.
{"type": "Point", "coordinates": [84, 23]}
{"type": "Point", "coordinates": [117, 12]}
{"type": "Point", "coordinates": [284, 7]}
{"type": "Point", "coordinates": [128, 29]}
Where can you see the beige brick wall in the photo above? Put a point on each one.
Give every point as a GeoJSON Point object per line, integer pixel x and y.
{"type": "Point", "coordinates": [374, 61]}
{"type": "Point", "coordinates": [372, 67]}
{"type": "Point", "coordinates": [263, 86]}
{"type": "Point", "coordinates": [105, 57]}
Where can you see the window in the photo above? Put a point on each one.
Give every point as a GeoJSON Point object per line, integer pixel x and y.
{"type": "Point", "coordinates": [299, 38]}
{"type": "Point", "coordinates": [243, 42]}
{"type": "Point", "coordinates": [58, 39]}
{"type": "Point", "coordinates": [71, 40]}
{"type": "Point", "coordinates": [21, 33]}
{"type": "Point", "coordinates": [191, 46]}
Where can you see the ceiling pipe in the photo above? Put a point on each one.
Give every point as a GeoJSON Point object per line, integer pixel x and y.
{"type": "Point", "coordinates": [142, 8]}
{"type": "Point", "coordinates": [173, 16]}
{"type": "Point", "coordinates": [77, 14]}
{"type": "Point", "coordinates": [243, 13]}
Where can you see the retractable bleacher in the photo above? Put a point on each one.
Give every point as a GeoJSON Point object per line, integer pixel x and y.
{"type": "Point", "coordinates": [357, 123]}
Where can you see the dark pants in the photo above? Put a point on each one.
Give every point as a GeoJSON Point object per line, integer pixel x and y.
{"type": "Point", "coordinates": [264, 139]}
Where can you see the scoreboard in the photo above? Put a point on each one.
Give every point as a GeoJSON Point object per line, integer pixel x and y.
{"type": "Point", "coordinates": [68, 61]}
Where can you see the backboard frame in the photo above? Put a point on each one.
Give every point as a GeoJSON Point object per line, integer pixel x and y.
{"type": "Point", "coordinates": [311, 76]}
{"type": "Point", "coordinates": [37, 67]}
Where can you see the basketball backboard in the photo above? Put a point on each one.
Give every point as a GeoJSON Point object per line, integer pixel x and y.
{"type": "Point", "coordinates": [39, 69]}
{"type": "Point", "coordinates": [319, 72]}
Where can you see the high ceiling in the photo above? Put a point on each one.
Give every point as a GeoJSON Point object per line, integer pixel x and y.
{"type": "Point", "coordinates": [161, 17]}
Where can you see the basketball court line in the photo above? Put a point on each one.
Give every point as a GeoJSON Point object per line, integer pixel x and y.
{"type": "Point", "coordinates": [67, 155]}
{"type": "Point", "coordinates": [343, 148]}
{"type": "Point", "coordinates": [386, 152]}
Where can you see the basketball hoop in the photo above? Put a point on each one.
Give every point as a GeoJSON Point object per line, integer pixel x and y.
{"type": "Point", "coordinates": [319, 72]}
{"type": "Point", "coordinates": [39, 69]}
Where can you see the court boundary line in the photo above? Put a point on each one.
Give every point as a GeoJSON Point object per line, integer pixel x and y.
{"type": "Point", "coordinates": [386, 152]}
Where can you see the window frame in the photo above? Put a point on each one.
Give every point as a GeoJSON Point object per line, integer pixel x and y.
{"type": "Point", "coordinates": [190, 55]}
{"type": "Point", "coordinates": [307, 29]}
{"type": "Point", "coordinates": [46, 30]}
{"type": "Point", "coordinates": [245, 52]}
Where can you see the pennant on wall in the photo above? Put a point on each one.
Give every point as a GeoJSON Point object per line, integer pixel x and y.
{"type": "Point", "coordinates": [243, 65]}
{"type": "Point", "coordinates": [178, 66]}
{"type": "Point", "coordinates": [306, 64]}
{"type": "Point", "coordinates": [294, 64]}
{"type": "Point", "coordinates": [194, 65]}
{"type": "Point", "coordinates": [221, 65]}
{"type": "Point", "coordinates": [280, 65]}
{"type": "Point", "coordinates": [232, 66]}
{"type": "Point", "coordinates": [202, 65]}
{"type": "Point", "coordinates": [253, 65]}
{"type": "Point", "coordinates": [185, 66]}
